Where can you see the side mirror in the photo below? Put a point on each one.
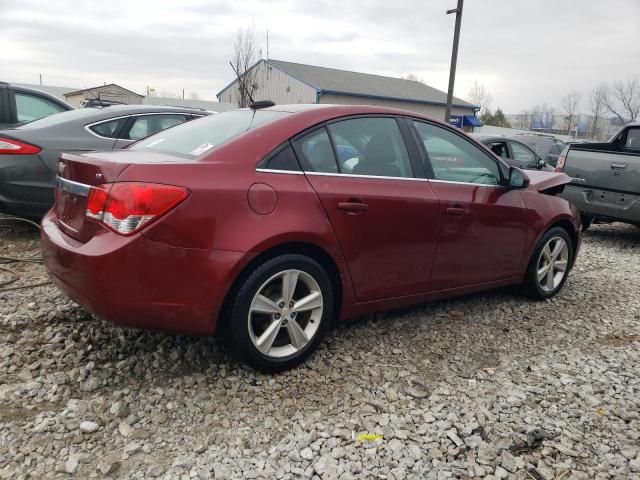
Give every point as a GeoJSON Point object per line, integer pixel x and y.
{"type": "Point", "coordinates": [517, 179]}
{"type": "Point", "coordinates": [541, 163]}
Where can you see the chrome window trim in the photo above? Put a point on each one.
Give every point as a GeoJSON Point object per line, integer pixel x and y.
{"type": "Point", "coordinates": [88, 126]}
{"type": "Point", "coordinates": [274, 170]}
{"type": "Point", "coordinates": [70, 186]}
{"type": "Point", "coordinates": [377, 177]}
{"type": "Point", "coordinates": [466, 183]}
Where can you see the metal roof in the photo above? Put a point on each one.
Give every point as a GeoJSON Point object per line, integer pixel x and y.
{"type": "Point", "coordinates": [332, 80]}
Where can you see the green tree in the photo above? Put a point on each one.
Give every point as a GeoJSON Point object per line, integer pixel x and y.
{"type": "Point", "coordinates": [496, 119]}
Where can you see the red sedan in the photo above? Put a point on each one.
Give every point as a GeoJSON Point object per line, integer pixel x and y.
{"type": "Point", "coordinates": [266, 225]}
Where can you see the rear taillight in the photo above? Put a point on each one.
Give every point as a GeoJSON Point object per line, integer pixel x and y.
{"type": "Point", "coordinates": [9, 146]}
{"type": "Point", "coordinates": [560, 165]}
{"type": "Point", "coordinates": [126, 207]}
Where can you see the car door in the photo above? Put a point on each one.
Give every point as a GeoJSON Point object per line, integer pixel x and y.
{"type": "Point", "coordinates": [482, 229]}
{"type": "Point", "coordinates": [141, 126]}
{"type": "Point", "coordinates": [385, 218]}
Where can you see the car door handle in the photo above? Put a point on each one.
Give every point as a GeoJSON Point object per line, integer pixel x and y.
{"type": "Point", "coordinates": [618, 166]}
{"type": "Point", "coordinates": [353, 207]}
{"type": "Point", "coordinates": [456, 211]}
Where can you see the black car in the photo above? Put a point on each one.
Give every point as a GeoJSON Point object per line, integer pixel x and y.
{"type": "Point", "coordinates": [514, 152]}
{"type": "Point", "coordinates": [20, 105]}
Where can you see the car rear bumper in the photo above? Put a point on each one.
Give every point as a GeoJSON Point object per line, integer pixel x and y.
{"type": "Point", "coordinates": [26, 185]}
{"type": "Point", "coordinates": [136, 282]}
{"type": "Point", "coordinates": [604, 203]}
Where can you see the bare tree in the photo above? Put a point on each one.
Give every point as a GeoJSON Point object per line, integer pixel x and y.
{"type": "Point", "coordinates": [523, 120]}
{"type": "Point", "coordinates": [597, 108]}
{"type": "Point", "coordinates": [480, 96]}
{"type": "Point", "coordinates": [244, 56]}
{"type": "Point", "coordinates": [569, 108]}
{"type": "Point", "coordinates": [415, 78]}
{"type": "Point", "coordinates": [623, 99]}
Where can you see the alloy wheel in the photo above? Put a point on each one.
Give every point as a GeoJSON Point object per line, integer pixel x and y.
{"type": "Point", "coordinates": [553, 263]}
{"type": "Point", "coordinates": [285, 313]}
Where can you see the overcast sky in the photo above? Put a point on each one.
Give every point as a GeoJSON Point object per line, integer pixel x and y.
{"type": "Point", "coordinates": [524, 51]}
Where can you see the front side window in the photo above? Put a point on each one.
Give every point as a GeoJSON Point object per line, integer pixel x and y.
{"type": "Point", "coordinates": [499, 148]}
{"type": "Point", "coordinates": [32, 107]}
{"type": "Point", "coordinates": [371, 146]}
{"type": "Point", "coordinates": [523, 154]}
{"type": "Point", "coordinates": [633, 139]}
{"type": "Point", "coordinates": [146, 125]}
{"type": "Point", "coordinates": [455, 159]}
{"type": "Point", "coordinates": [108, 129]}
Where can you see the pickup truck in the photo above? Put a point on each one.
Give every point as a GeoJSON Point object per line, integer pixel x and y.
{"type": "Point", "coordinates": [605, 181]}
{"type": "Point", "coordinates": [20, 104]}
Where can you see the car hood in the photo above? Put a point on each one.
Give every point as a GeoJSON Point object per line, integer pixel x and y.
{"type": "Point", "coordinates": [543, 181]}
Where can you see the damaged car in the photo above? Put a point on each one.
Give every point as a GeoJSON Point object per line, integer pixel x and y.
{"type": "Point", "coordinates": [267, 225]}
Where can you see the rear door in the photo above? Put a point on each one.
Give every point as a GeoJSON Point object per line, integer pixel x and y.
{"type": "Point", "coordinates": [482, 229]}
{"type": "Point", "coordinates": [384, 216]}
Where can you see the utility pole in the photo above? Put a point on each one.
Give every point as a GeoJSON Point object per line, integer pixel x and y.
{"type": "Point", "coordinates": [41, 79]}
{"type": "Point", "coordinates": [454, 58]}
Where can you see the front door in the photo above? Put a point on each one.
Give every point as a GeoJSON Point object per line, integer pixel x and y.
{"type": "Point", "coordinates": [482, 229]}
{"type": "Point", "coordinates": [385, 219]}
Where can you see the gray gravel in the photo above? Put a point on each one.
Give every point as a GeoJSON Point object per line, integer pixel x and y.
{"type": "Point", "coordinates": [485, 386]}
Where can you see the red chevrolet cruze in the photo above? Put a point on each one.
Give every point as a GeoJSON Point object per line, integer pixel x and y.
{"type": "Point", "coordinates": [268, 224]}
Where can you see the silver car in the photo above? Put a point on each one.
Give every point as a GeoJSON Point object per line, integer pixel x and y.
{"type": "Point", "coordinates": [29, 153]}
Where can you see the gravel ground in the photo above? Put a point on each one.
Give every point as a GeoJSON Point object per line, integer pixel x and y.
{"type": "Point", "coordinates": [485, 386]}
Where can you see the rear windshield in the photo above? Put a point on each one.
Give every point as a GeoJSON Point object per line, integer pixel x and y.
{"type": "Point", "coordinates": [198, 137]}
{"type": "Point", "coordinates": [59, 118]}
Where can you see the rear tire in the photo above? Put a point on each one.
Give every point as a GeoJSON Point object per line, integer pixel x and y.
{"type": "Point", "coordinates": [280, 314]}
{"type": "Point", "coordinates": [550, 264]}
{"type": "Point", "coordinates": [586, 220]}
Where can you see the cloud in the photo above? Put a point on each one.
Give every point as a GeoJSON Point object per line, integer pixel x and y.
{"type": "Point", "coordinates": [525, 52]}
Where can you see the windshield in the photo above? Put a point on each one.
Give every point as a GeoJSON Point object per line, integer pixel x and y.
{"type": "Point", "coordinates": [59, 118]}
{"type": "Point", "coordinates": [198, 137]}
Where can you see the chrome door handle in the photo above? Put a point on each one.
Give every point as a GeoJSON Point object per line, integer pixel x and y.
{"type": "Point", "coordinates": [456, 211]}
{"type": "Point", "coordinates": [618, 166]}
{"type": "Point", "coordinates": [353, 207]}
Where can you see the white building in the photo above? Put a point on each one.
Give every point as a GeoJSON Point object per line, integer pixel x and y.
{"type": "Point", "coordinates": [287, 83]}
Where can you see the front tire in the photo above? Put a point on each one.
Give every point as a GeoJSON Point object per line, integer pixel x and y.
{"type": "Point", "coordinates": [280, 314]}
{"type": "Point", "coordinates": [549, 265]}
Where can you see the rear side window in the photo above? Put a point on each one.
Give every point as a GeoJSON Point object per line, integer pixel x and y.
{"type": "Point", "coordinates": [146, 125]}
{"type": "Point", "coordinates": [32, 107]}
{"type": "Point", "coordinates": [193, 139]}
{"type": "Point", "coordinates": [284, 159]}
{"type": "Point", "coordinates": [317, 153]}
{"type": "Point", "coordinates": [108, 129]}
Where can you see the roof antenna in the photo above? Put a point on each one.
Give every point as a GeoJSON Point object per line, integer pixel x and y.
{"type": "Point", "coordinates": [241, 82]}
{"type": "Point", "coordinates": [97, 97]}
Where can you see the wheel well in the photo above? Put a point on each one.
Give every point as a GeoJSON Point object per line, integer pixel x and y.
{"type": "Point", "coordinates": [568, 226]}
{"type": "Point", "coordinates": [302, 248]}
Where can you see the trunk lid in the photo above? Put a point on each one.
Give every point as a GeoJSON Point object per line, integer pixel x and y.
{"type": "Point", "coordinates": [77, 173]}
